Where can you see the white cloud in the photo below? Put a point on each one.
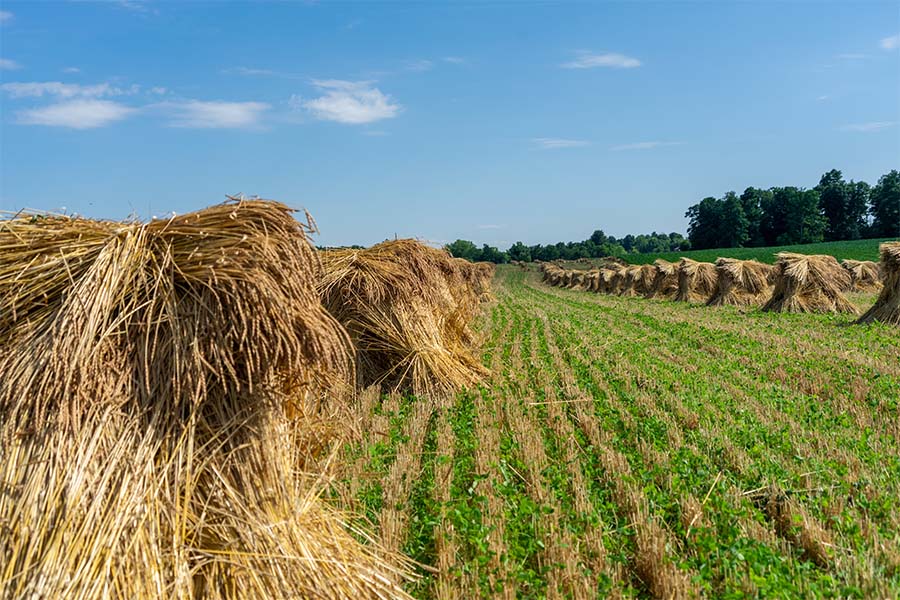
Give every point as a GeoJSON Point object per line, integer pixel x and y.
{"type": "Point", "coordinates": [823, 98]}
{"type": "Point", "coordinates": [64, 90]}
{"type": "Point", "coordinates": [198, 114]}
{"type": "Point", "coordinates": [870, 127]}
{"type": "Point", "coordinates": [555, 143]}
{"type": "Point", "coordinates": [76, 114]}
{"type": "Point", "coordinates": [419, 66]}
{"type": "Point", "coordinates": [71, 70]}
{"type": "Point", "coordinates": [7, 64]}
{"type": "Point", "coordinates": [588, 60]}
{"type": "Point", "coordinates": [351, 102]}
{"type": "Point", "coordinates": [891, 42]}
{"type": "Point", "coordinates": [646, 145]}
{"type": "Point", "coordinates": [249, 72]}
{"type": "Point", "coordinates": [454, 60]}
{"type": "Point", "coordinates": [5, 16]}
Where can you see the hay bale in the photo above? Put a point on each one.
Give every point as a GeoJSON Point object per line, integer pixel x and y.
{"type": "Point", "coordinates": [616, 278]}
{"type": "Point", "coordinates": [887, 307]}
{"type": "Point", "coordinates": [665, 280]}
{"type": "Point", "coordinates": [696, 280]}
{"type": "Point", "coordinates": [865, 275]}
{"type": "Point", "coordinates": [407, 309]}
{"type": "Point", "coordinates": [158, 394]}
{"type": "Point", "coordinates": [577, 280]}
{"type": "Point", "coordinates": [593, 281]}
{"type": "Point", "coordinates": [742, 283]}
{"type": "Point", "coordinates": [809, 283]}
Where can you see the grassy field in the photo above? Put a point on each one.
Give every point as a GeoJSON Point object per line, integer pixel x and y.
{"type": "Point", "coordinates": [641, 448]}
{"type": "Point", "coordinates": [856, 249]}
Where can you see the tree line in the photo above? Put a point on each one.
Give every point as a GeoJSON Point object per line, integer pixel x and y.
{"type": "Point", "coordinates": [832, 211]}
{"type": "Point", "coordinates": [779, 216]}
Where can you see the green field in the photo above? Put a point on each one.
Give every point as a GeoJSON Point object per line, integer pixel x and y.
{"type": "Point", "coordinates": [855, 249]}
{"type": "Point", "coordinates": [642, 448]}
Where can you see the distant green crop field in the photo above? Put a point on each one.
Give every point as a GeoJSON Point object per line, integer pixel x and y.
{"type": "Point", "coordinates": [856, 249]}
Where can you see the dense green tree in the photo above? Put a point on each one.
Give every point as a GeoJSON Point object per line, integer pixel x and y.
{"type": "Point", "coordinates": [703, 223]}
{"type": "Point", "coordinates": [751, 203]}
{"type": "Point", "coordinates": [519, 251]}
{"type": "Point", "coordinates": [885, 206]}
{"type": "Point", "coordinates": [464, 249]}
{"type": "Point", "coordinates": [844, 206]}
{"type": "Point", "coordinates": [492, 254]}
{"type": "Point", "coordinates": [733, 223]}
{"type": "Point", "coordinates": [803, 222]}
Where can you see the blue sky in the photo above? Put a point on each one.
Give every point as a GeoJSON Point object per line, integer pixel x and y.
{"type": "Point", "coordinates": [491, 121]}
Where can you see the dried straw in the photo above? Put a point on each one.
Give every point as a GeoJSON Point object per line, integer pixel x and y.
{"type": "Point", "coordinates": [865, 275]}
{"type": "Point", "coordinates": [887, 306]}
{"type": "Point", "coordinates": [159, 402]}
{"type": "Point", "coordinates": [407, 307]}
{"type": "Point", "coordinates": [665, 280]}
{"type": "Point", "coordinates": [809, 283]}
{"type": "Point", "coordinates": [696, 280]}
{"type": "Point", "coordinates": [742, 283]}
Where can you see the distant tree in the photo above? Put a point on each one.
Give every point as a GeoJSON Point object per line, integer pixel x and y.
{"type": "Point", "coordinates": [519, 251]}
{"type": "Point", "coordinates": [885, 206]}
{"type": "Point", "coordinates": [751, 203]}
{"type": "Point", "coordinates": [599, 238]}
{"type": "Point", "coordinates": [464, 249]}
{"type": "Point", "coordinates": [844, 206]}
{"type": "Point", "coordinates": [860, 192]}
{"type": "Point", "coordinates": [703, 223]}
{"type": "Point", "coordinates": [733, 223]}
{"type": "Point", "coordinates": [628, 242]}
{"type": "Point", "coordinates": [803, 223]}
{"type": "Point", "coordinates": [492, 254]}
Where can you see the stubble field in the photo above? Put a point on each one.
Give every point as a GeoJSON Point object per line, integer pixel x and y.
{"type": "Point", "coordinates": [643, 448]}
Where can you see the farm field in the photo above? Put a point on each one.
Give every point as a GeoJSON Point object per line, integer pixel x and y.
{"type": "Point", "coordinates": [642, 448]}
{"type": "Point", "coordinates": [855, 249]}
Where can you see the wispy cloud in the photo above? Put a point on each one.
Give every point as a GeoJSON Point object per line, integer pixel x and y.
{"type": "Point", "coordinates": [890, 42]}
{"type": "Point", "coordinates": [418, 66]}
{"type": "Point", "coordinates": [454, 60]}
{"type": "Point", "coordinates": [612, 60]}
{"type": "Point", "coordinates": [490, 226]}
{"type": "Point", "coordinates": [870, 127]}
{"type": "Point", "coordinates": [199, 114]}
{"type": "Point", "coordinates": [852, 56]}
{"type": "Point", "coordinates": [71, 70]}
{"type": "Point", "coordinates": [138, 6]}
{"type": "Point", "coordinates": [7, 64]}
{"type": "Point", "coordinates": [350, 102]}
{"type": "Point", "coordinates": [556, 143]}
{"type": "Point", "coordinates": [646, 145]}
{"type": "Point", "coordinates": [823, 98]}
{"type": "Point", "coordinates": [35, 89]}
{"type": "Point", "coordinates": [5, 16]}
{"type": "Point", "coordinates": [76, 114]}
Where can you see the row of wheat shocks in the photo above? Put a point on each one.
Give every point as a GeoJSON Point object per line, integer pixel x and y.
{"type": "Point", "coordinates": [795, 283]}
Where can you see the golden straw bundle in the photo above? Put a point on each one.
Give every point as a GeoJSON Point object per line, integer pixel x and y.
{"type": "Point", "coordinates": [407, 312]}
{"type": "Point", "coordinates": [742, 283]}
{"type": "Point", "coordinates": [887, 306]}
{"type": "Point", "coordinates": [865, 275]}
{"type": "Point", "coordinates": [809, 283]}
{"type": "Point", "coordinates": [696, 280]}
{"type": "Point", "coordinates": [159, 401]}
{"type": "Point", "coordinates": [665, 280]}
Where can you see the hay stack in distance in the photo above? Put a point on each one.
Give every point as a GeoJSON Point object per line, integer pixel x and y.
{"type": "Point", "coordinates": [865, 275]}
{"type": "Point", "coordinates": [887, 307]}
{"type": "Point", "coordinates": [696, 280]}
{"type": "Point", "coordinates": [742, 283]}
{"type": "Point", "coordinates": [809, 283]}
{"type": "Point", "coordinates": [665, 280]}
